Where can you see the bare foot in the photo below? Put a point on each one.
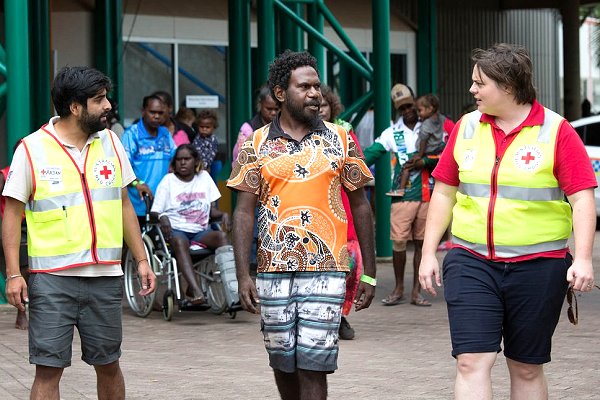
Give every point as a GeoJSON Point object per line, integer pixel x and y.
{"type": "Point", "coordinates": [21, 322]}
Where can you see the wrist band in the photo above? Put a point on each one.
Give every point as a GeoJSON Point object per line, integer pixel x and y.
{"type": "Point", "coordinates": [137, 182]}
{"type": "Point", "coordinates": [13, 277]}
{"type": "Point", "coordinates": [143, 259]}
{"type": "Point", "coordinates": [368, 279]}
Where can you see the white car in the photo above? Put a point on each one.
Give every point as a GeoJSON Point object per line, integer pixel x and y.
{"type": "Point", "coordinates": [589, 130]}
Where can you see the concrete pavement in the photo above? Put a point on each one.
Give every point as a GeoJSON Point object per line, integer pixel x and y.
{"type": "Point", "coordinates": [400, 352]}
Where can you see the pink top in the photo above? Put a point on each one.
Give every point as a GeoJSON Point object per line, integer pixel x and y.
{"type": "Point", "coordinates": [180, 137]}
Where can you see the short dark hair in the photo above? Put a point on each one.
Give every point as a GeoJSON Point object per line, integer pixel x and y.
{"type": "Point", "coordinates": [510, 67]}
{"type": "Point", "coordinates": [429, 100]}
{"type": "Point", "coordinates": [281, 69]}
{"type": "Point", "coordinates": [165, 97]}
{"type": "Point", "coordinates": [77, 85]}
{"type": "Point", "coordinates": [333, 100]}
{"type": "Point", "coordinates": [193, 152]}
{"type": "Point", "coordinates": [151, 97]}
{"type": "Point", "coordinates": [208, 114]}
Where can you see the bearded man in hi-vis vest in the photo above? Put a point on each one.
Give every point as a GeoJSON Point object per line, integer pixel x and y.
{"type": "Point", "coordinates": [69, 178]}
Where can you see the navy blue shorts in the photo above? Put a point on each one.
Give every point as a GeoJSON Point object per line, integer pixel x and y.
{"type": "Point", "coordinates": [491, 301]}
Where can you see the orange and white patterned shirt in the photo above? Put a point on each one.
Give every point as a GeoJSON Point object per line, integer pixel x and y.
{"type": "Point", "coordinates": [301, 219]}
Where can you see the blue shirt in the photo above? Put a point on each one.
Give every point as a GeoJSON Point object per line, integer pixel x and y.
{"type": "Point", "coordinates": [149, 156]}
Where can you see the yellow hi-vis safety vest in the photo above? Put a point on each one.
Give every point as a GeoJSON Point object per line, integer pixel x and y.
{"type": "Point", "coordinates": [509, 205]}
{"type": "Point", "coordinates": [73, 218]}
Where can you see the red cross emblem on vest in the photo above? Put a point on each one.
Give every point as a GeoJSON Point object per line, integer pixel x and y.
{"type": "Point", "coordinates": [528, 158]}
{"type": "Point", "coordinates": [105, 172]}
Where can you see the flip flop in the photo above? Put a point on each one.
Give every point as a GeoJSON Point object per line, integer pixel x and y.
{"type": "Point", "coordinates": [196, 301]}
{"type": "Point", "coordinates": [393, 300]}
{"type": "Point", "coordinates": [420, 302]}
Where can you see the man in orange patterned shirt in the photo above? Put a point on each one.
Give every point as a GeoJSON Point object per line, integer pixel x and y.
{"type": "Point", "coordinates": [294, 169]}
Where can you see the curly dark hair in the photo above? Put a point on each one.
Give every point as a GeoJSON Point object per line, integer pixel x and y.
{"type": "Point", "coordinates": [335, 104]}
{"type": "Point", "coordinates": [281, 69]}
{"type": "Point", "coordinates": [208, 114]}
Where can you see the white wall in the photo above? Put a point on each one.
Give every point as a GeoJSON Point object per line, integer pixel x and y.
{"type": "Point", "coordinates": [72, 38]}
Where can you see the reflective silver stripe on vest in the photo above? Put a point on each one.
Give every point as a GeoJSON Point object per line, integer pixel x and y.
{"type": "Point", "coordinates": [103, 194]}
{"type": "Point", "coordinates": [82, 257]}
{"type": "Point", "coordinates": [61, 261]}
{"type": "Point", "coordinates": [545, 133]}
{"type": "Point", "coordinates": [65, 200]}
{"type": "Point", "coordinates": [472, 124]}
{"type": "Point", "coordinates": [109, 254]}
{"type": "Point", "coordinates": [512, 251]}
{"type": "Point", "coordinates": [512, 192]}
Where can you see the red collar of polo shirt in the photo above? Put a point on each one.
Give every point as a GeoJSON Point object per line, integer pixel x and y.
{"type": "Point", "coordinates": [536, 117]}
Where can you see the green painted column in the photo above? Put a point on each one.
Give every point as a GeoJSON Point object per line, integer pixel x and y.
{"type": "Point", "coordinates": [266, 38]}
{"type": "Point", "coordinates": [316, 20]}
{"type": "Point", "coordinates": [41, 104]}
{"type": "Point", "coordinates": [426, 46]}
{"type": "Point", "coordinates": [291, 36]}
{"type": "Point", "coordinates": [108, 41]}
{"type": "Point", "coordinates": [381, 90]}
{"type": "Point", "coordinates": [239, 97]}
{"type": "Point", "coordinates": [18, 121]}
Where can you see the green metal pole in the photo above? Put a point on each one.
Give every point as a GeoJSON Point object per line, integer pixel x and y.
{"type": "Point", "coordinates": [321, 38]}
{"type": "Point", "coordinates": [381, 89]}
{"type": "Point", "coordinates": [343, 36]}
{"type": "Point", "coordinates": [238, 66]}
{"type": "Point", "coordinates": [359, 106]}
{"type": "Point", "coordinates": [291, 35]}
{"type": "Point", "coordinates": [18, 121]}
{"type": "Point", "coordinates": [40, 61]}
{"type": "Point", "coordinates": [266, 38]}
{"type": "Point", "coordinates": [108, 39]}
{"type": "Point", "coordinates": [426, 45]}
{"type": "Point", "coordinates": [316, 20]}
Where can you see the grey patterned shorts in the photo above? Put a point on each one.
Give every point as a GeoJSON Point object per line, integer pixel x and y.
{"type": "Point", "coordinates": [300, 318]}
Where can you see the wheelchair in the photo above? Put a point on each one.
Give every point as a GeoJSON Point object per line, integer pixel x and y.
{"type": "Point", "coordinates": [214, 270]}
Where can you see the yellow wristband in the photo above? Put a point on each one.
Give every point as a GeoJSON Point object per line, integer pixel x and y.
{"type": "Point", "coordinates": [367, 279]}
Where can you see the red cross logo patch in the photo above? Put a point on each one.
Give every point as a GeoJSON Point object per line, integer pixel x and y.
{"type": "Point", "coordinates": [105, 172]}
{"type": "Point", "coordinates": [528, 158]}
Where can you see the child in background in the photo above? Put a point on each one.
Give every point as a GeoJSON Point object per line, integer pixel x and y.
{"type": "Point", "coordinates": [186, 116]}
{"type": "Point", "coordinates": [205, 142]}
{"type": "Point", "coordinates": [431, 135]}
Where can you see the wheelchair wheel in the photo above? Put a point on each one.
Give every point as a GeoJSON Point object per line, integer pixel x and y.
{"type": "Point", "coordinates": [140, 305]}
{"type": "Point", "coordinates": [212, 286]}
{"type": "Point", "coordinates": [168, 305]}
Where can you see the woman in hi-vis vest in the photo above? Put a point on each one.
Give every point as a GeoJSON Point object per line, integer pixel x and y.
{"type": "Point", "coordinates": [515, 180]}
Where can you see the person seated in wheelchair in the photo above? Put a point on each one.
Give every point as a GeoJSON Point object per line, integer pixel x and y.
{"type": "Point", "coordinates": [183, 203]}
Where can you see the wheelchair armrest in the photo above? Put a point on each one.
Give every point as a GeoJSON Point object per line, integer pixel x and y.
{"type": "Point", "coordinates": [154, 218]}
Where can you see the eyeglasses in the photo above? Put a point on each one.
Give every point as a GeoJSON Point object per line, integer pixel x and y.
{"type": "Point", "coordinates": [573, 312]}
{"type": "Point", "coordinates": [405, 107]}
